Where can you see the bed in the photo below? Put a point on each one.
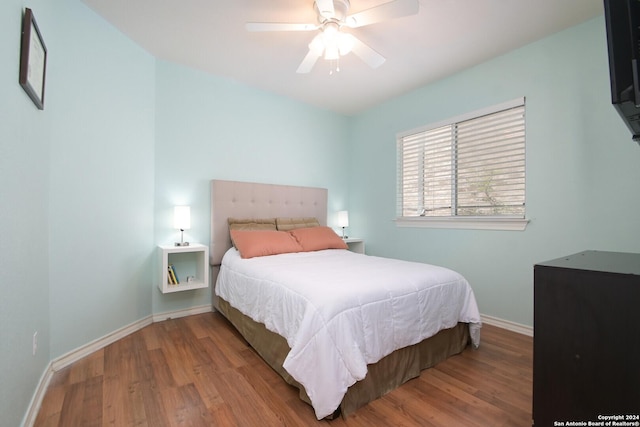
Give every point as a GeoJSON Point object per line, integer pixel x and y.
{"type": "Point", "coordinates": [315, 316]}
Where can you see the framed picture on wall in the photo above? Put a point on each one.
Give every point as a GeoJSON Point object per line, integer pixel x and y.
{"type": "Point", "coordinates": [33, 60]}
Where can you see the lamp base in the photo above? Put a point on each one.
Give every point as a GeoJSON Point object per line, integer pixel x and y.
{"type": "Point", "coordinates": [182, 242]}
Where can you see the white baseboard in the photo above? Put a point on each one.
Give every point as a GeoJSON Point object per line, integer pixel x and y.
{"type": "Point", "coordinates": [507, 324]}
{"type": "Point", "coordinates": [85, 350]}
{"type": "Point", "coordinates": [36, 399]}
{"type": "Point", "coordinates": [182, 313]}
{"type": "Point", "coordinates": [95, 345]}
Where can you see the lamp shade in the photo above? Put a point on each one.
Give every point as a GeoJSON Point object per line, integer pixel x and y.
{"type": "Point", "coordinates": [343, 219]}
{"type": "Point", "coordinates": [182, 217]}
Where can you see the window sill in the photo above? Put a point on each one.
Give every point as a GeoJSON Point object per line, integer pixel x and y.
{"type": "Point", "coordinates": [474, 223]}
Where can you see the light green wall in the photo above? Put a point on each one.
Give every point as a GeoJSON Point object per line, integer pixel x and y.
{"type": "Point", "coordinates": [209, 127]}
{"type": "Point", "coordinates": [102, 104]}
{"type": "Point", "coordinates": [582, 168]}
{"type": "Point", "coordinates": [24, 229]}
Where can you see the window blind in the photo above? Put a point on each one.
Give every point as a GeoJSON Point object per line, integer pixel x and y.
{"type": "Point", "coordinates": [471, 167]}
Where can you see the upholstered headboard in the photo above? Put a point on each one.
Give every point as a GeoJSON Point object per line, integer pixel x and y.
{"type": "Point", "coordinates": [252, 200]}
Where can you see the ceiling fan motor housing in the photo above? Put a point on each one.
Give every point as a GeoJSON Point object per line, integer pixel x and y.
{"type": "Point", "coordinates": [340, 9]}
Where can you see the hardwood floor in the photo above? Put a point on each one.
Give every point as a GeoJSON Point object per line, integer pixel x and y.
{"type": "Point", "coordinates": [197, 371]}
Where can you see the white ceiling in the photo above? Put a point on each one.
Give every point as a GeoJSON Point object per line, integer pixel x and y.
{"type": "Point", "coordinates": [445, 37]}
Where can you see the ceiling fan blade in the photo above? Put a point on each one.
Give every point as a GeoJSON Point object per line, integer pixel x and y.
{"type": "Point", "coordinates": [278, 26]}
{"type": "Point", "coordinates": [367, 54]}
{"type": "Point", "coordinates": [325, 8]}
{"type": "Point", "coordinates": [308, 62]}
{"type": "Point", "coordinates": [384, 12]}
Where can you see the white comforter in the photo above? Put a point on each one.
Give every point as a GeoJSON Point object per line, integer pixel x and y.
{"type": "Point", "coordinates": [340, 311]}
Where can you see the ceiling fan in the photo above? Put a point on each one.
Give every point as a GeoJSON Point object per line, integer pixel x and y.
{"type": "Point", "coordinates": [331, 42]}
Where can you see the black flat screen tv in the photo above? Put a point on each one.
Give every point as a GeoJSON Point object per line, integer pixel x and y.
{"type": "Point", "coordinates": [622, 19]}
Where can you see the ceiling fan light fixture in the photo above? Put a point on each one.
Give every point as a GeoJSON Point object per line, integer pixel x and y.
{"type": "Point", "coordinates": [330, 30]}
{"type": "Point", "coordinates": [333, 42]}
{"type": "Point", "coordinates": [345, 43]}
{"type": "Point", "coordinates": [317, 45]}
{"type": "Point", "coordinates": [332, 16]}
{"type": "Point", "coordinates": [331, 53]}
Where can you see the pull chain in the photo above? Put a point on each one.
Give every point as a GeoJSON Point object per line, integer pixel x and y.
{"type": "Point", "coordinates": [337, 66]}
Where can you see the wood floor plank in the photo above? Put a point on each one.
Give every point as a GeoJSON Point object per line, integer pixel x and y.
{"type": "Point", "coordinates": [154, 413]}
{"type": "Point", "coordinates": [115, 402]}
{"type": "Point", "coordinates": [198, 325]}
{"type": "Point", "coordinates": [219, 357]}
{"type": "Point", "coordinates": [71, 413]}
{"type": "Point", "coordinates": [405, 408]}
{"type": "Point", "coordinates": [182, 408]}
{"type": "Point", "coordinates": [161, 373]}
{"type": "Point", "coordinates": [87, 368]}
{"type": "Point", "coordinates": [150, 337]}
{"type": "Point", "coordinates": [222, 415]}
{"type": "Point", "coordinates": [175, 356]}
{"type": "Point", "coordinates": [205, 380]}
{"type": "Point", "coordinates": [491, 382]}
{"type": "Point", "coordinates": [247, 405]}
{"type": "Point", "coordinates": [51, 407]}
{"type": "Point", "coordinates": [468, 407]}
{"type": "Point", "coordinates": [92, 402]}
{"type": "Point", "coordinates": [392, 410]}
{"type": "Point", "coordinates": [198, 371]}
{"type": "Point", "coordinates": [258, 376]}
{"type": "Point", "coordinates": [230, 345]}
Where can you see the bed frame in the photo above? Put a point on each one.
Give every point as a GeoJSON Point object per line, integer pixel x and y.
{"type": "Point", "coordinates": [254, 200]}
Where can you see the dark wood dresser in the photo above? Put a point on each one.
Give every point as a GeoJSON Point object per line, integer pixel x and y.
{"type": "Point", "coordinates": [586, 348]}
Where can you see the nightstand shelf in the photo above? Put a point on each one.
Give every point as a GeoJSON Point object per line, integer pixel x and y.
{"type": "Point", "coordinates": [190, 264]}
{"type": "Point", "coordinates": [355, 244]}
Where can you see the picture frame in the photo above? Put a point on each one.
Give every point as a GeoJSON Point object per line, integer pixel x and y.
{"type": "Point", "coordinates": [33, 60]}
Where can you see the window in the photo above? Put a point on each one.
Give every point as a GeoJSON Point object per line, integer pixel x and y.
{"type": "Point", "coordinates": [468, 172]}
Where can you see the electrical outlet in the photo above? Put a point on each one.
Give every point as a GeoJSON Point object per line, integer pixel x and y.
{"type": "Point", "coordinates": [35, 342]}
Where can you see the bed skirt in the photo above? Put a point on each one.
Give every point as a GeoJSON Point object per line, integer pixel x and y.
{"type": "Point", "coordinates": [387, 374]}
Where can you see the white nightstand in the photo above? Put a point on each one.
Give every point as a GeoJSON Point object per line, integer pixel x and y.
{"type": "Point", "coordinates": [190, 264]}
{"type": "Point", "coordinates": [355, 244]}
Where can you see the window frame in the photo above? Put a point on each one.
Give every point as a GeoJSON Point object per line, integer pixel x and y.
{"type": "Point", "coordinates": [482, 222]}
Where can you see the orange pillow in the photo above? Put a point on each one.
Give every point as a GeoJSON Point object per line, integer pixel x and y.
{"type": "Point", "coordinates": [318, 238]}
{"type": "Point", "coordinates": [257, 243]}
